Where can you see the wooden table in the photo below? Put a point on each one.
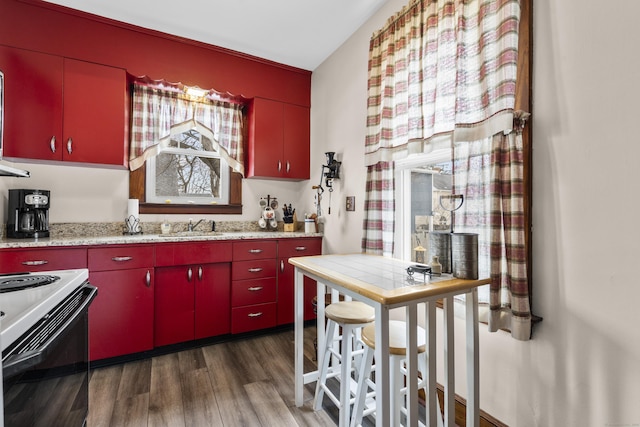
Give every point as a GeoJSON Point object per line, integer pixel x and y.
{"type": "Point", "coordinates": [384, 284]}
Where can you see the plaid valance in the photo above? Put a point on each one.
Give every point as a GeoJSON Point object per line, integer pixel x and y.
{"type": "Point", "coordinates": [159, 112]}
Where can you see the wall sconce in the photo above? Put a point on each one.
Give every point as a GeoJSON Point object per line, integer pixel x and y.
{"type": "Point", "coordinates": [195, 91]}
{"type": "Point", "coordinates": [331, 170]}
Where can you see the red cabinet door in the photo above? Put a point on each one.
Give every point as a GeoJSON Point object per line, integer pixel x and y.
{"type": "Point", "coordinates": [278, 140]}
{"type": "Point", "coordinates": [32, 104]}
{"type": "Point", "coordinates": [265, 141]}
{"type": "Point", "coordinates": [94, 113]}
{"type": "Point", "coordinates": [296, 142]}
{"type": "Point", "coordinates": [174, 305]}
{"type": "Point", "coordinates": [212, 300]}
{"type": "Point", "coordinates": [289, 248]}
{"type": "Point", "coordinates": [121, 316]}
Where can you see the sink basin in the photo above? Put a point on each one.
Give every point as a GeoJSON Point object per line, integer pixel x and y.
{"type": "Point", "coordinates": [192, 234]}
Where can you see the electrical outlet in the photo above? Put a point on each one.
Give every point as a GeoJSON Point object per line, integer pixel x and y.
{"type": "Point", "coordinates": [351, 203]}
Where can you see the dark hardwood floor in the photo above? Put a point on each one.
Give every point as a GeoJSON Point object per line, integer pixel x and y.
{"type": "Point", "coordinates": [246, 382]}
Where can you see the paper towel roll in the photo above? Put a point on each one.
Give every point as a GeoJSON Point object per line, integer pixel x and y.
{"type": "Point", "coordinates": [133, 208]}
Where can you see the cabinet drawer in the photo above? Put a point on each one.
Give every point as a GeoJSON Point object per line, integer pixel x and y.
{"type": "Point", "coordinates": [299, 247]}
{"type": "Point", "coordinates": [192, 253]}
{"type": "Point", "coordinates": [253, 291]}
{"type": "Point", "coordinates": [253, 317]}
{"type": "Point", "coordinates": [15, 261]}
{"type": "Point", "coordinates": [253, 269]}
{"type": "Point", "coordinates": [120, 258]}
{"type": "Point", "coordinates": [254, 249]}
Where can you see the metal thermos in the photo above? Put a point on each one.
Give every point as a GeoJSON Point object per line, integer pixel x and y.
{"type": "Point", "coordinates": [440, 246]}
{"type": "Point", "coordinates": [464, 255]}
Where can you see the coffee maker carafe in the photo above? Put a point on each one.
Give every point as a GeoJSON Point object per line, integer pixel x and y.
{"type": "Point", "coordinates": [28, 215]}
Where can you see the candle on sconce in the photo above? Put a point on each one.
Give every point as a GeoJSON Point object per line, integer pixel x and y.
{"type": "Point", "coordinates": [133, 208]}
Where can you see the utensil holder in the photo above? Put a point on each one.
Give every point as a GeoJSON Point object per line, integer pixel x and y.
{"type": "Point", "coordinates": [290, 223]}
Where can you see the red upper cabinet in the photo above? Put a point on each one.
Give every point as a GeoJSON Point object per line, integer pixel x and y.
{"type": "Point", "coordinates": [63, 109]}
{"type": "Point", "coordinates": [33, 104]}
{"type": "Point", "coordinates": [95, 114]}
{"type": "Point", "coordinates": [278, 140]}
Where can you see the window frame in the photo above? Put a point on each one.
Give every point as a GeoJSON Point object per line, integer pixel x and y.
{"type": "Point", "coordinates": [137, 190]}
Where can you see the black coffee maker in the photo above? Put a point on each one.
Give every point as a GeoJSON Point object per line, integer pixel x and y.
{"type": "Point", "coordinates": [28, 215]}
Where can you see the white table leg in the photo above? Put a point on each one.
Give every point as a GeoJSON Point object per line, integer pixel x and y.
{"type": "Point", "coordinates": [299, 337]}
{"type": "Point", "coordinates": [473, 364]}
{"type": "Point", "coordinates": [449, 364]}
{"type": "Point", "coordinates": [383, 415]}
{"type": "Point", "coordinates": [412, 364]}
{"type": "Point", "coordinates": [432, 408]}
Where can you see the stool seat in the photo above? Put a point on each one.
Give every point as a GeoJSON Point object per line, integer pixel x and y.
{"type": "Point", "coordinates": [397, 337]}
{"type": "Point", "coordinates": [350, 312]}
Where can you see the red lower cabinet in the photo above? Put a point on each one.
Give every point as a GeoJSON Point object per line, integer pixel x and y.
{"type": "Point", "coordinates": [288, 248]}
{"type": "Point", "coordinates": [254, 286]}
{"type": "Point", "coordinates": [191, 302]}
{"type": "Point", "coordinates": [121, 316]}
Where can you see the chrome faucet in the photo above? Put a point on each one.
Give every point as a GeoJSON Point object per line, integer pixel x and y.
{"type": "Point", "coordinates": [192, 226]}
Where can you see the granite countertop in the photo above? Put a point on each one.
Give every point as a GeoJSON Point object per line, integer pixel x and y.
{"type": "Point", "coordinates": [69, 235]}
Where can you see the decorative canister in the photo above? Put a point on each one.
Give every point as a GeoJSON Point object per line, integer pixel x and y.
{"type": "Point", "coordinates": [440, 245]}
{"type": "Point", "coordinates": [464, 255]}
{"type": "Point", "coordinates": [436, 267]}
{"type": "Point", "coordinates": [309, 225]}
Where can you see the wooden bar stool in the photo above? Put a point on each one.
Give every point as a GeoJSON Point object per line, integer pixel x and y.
{"type": "Point", "coordinates": [364, 400]}
{"type": "Point", "coordinates": [349, 317]}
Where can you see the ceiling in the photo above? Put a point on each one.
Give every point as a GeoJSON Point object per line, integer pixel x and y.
{"type": "Point", "coordinates": [299, 33]}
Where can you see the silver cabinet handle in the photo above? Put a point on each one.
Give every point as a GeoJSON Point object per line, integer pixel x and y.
{"type": "Point", "coordinates": [279, 165]}
{"type": "Point", "coordinates": [288, 166]}
{"type": "Point", "coordinates": [69, 142]}
{"type": "Point", "coordinates": [200, 273]}
{"type": "Point", "coordinates": [301, 248]}
{"type": "Point", "coordinates": [281, 265]}
{"type": "Point", "coordinates": [121, 258]}
{"type": "Point", "coordinates": [36, 262]}
{"type": "Point", "coordinates": [255, 251]}
{"type": "Point", "coordinates": [255, 270]}
{"type": "Point", "coordinates": [52, 144]}
{"type": "Point", "coordinates": [258, 314]}
{"type": "Point", "coordinates": [189, 274]}
{"type": "Point", "coordinates": [255, 288]}
{"type": "Point", "coordinates": [148, 279]}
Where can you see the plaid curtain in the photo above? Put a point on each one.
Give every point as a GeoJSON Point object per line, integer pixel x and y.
{"type": "Point", "coordinates": [489, 173]}
{"type": "Point", "coordinates": [440, 71]}
{"type": "Point", "coordinates": [157, 112]}
{"type": "Point", "coordinates": [379, 210]}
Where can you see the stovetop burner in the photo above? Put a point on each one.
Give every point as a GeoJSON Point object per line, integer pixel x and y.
{"type": "Point", "coordinates": [18, 282]}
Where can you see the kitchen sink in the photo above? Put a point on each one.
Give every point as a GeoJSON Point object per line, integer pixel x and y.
{"type": "Point", "coordinates": [191, 234]}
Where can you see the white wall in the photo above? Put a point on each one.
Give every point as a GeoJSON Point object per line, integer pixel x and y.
{"type": "Point", "coordinates": [85, 194]}
{"type": "Point", "coordinates": [582, 367]}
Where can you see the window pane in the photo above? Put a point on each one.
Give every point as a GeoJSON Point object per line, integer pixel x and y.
{"type": "Point", "coordinates": [180, 175]}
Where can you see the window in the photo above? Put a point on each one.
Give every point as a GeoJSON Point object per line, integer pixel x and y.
{"type": "Point", "coordinates": [188, 172]}
{"type": "Point", "coordinates": [421, 181]}
{"type": "Point", "coordinates": [186, 153]}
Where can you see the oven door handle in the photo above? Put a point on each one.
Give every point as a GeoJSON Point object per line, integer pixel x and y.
{"type": "Point", "coordinates": [15, 364]}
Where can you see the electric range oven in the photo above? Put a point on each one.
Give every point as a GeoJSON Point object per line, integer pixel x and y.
{"type": "Point", "coordinates": [44, 341]}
